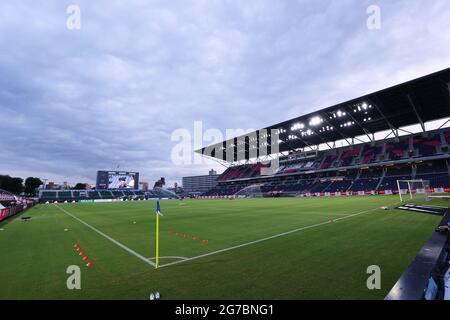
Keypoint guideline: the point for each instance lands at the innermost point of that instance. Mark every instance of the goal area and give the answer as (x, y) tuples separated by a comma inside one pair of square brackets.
[(418, 190), (253, 191)]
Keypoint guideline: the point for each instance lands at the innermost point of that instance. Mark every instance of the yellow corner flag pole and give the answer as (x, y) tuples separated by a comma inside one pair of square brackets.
[(158, 213), (157, 240)]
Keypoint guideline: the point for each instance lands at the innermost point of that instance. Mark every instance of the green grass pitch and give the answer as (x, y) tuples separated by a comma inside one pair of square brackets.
[(326, 258)]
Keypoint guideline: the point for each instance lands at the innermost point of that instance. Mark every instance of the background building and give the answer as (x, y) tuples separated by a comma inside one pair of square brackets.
[(143, 186), (200, 183)]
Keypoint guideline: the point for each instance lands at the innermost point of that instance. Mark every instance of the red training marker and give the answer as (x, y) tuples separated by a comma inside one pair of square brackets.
[(81, 253), (89, 264), (205, 241), (86, 258)]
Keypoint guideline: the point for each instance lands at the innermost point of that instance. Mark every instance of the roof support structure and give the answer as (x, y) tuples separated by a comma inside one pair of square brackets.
[(394, 132), (411, 102), (367, 132), (320, 137), (375, 105), (221, 162), (404, 130), (442, 125), (338, 131)]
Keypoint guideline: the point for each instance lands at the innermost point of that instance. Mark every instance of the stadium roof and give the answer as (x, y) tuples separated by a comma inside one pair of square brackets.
[(414, 102)]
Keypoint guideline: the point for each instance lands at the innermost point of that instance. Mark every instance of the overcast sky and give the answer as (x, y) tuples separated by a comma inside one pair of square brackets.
[(73, 101)]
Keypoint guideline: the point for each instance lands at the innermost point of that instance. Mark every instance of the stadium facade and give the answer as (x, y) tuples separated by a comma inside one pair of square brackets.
[(200, 184), (362, 146)]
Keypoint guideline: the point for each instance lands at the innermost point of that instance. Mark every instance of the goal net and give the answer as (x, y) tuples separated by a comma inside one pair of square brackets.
[(253, 191), (418, 190)]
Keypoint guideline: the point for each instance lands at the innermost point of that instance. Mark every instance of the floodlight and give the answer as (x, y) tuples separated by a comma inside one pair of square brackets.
[(297, 126), (314, 121)]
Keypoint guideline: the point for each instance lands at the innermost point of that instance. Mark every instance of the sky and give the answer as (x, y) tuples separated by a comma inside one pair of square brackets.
[(110, 87)]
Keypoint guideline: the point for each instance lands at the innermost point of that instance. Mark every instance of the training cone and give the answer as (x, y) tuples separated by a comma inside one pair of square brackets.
[(89, 264), (86, 258), (81, 253), (205, 241), (79, 249)]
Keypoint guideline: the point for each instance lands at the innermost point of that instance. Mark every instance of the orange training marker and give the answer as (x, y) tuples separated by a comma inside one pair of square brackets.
[(205, 241)]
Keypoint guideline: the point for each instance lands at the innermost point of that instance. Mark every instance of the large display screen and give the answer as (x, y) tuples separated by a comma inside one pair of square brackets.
[(121, 181), (117, 180)]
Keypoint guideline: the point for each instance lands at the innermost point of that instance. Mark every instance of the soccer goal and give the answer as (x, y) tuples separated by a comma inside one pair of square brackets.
[(253, 191), (414, 190)]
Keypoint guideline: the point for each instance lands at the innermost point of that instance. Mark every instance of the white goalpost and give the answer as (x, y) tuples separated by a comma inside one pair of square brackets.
[(414, 189), (253, 191)]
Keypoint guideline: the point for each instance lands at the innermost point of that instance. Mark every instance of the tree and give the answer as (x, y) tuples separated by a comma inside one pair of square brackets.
[(80, 186), (31, 184), (11, 184)]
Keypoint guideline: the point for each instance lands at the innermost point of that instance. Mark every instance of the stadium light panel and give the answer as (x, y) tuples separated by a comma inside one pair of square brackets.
[(315, 121), (298, 126)]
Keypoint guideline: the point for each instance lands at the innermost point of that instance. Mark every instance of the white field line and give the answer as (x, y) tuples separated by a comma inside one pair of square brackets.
[(109, 238), (268, 238), (169, 257)]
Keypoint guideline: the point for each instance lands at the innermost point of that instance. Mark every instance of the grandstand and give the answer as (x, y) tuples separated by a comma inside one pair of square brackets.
[(103, 195), (378, 146), (11, 204)]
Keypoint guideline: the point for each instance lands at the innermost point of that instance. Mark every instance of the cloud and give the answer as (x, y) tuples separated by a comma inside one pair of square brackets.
[(76, 101)]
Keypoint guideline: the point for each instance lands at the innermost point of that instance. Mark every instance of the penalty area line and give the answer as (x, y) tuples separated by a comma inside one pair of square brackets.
[(267, 238), (109, 238)]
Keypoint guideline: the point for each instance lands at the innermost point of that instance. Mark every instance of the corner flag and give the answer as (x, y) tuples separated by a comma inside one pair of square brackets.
[(158, 208), (158, 213)]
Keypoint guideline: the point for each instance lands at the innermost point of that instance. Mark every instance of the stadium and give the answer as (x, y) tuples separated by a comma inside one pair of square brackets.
[(355, 189)]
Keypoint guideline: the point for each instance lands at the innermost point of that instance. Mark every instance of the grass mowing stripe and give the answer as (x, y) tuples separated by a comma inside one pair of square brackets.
[(265, 239), (109, 238)]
